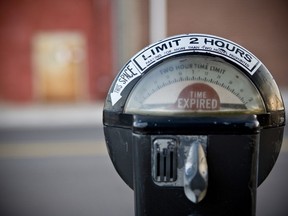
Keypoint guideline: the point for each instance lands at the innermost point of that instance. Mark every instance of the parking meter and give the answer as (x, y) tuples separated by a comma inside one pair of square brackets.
[(193, 124)]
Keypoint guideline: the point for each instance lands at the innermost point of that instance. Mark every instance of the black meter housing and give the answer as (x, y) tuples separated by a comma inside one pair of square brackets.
[(193, 124)]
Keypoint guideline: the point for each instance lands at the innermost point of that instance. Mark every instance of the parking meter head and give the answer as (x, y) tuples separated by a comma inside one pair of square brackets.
[(192, 78)]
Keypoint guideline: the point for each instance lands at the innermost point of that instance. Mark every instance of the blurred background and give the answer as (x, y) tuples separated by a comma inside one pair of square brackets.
[(57, 61)]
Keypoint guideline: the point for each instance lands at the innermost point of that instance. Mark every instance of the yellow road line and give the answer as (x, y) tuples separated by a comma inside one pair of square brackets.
[(33, 150)]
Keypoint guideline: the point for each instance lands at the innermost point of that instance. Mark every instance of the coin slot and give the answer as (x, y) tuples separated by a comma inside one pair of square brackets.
[(164, 160)]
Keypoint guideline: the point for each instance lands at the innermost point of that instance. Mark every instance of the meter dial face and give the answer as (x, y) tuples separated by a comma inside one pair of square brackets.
[(194, 84)]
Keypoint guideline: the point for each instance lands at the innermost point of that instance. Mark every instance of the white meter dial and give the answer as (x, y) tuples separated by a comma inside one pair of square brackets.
[(194, 84)]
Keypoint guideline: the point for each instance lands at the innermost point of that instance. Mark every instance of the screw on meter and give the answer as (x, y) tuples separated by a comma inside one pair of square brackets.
[(194, 84)]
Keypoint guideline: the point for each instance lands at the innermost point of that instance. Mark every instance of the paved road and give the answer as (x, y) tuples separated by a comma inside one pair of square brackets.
[(58, 172), (59, 186)]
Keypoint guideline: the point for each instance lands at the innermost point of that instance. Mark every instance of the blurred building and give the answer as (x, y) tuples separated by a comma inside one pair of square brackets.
[(55, 50), (70, 50)]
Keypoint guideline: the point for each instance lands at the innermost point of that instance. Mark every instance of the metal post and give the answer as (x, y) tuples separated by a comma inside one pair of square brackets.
[(157, 20)]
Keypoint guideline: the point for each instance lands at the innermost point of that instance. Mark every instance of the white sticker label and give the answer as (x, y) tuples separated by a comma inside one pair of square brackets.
[(198, 43), (183, 44), (129, 73)]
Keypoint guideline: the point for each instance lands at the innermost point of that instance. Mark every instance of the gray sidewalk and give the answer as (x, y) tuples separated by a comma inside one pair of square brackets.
[(47, 116)]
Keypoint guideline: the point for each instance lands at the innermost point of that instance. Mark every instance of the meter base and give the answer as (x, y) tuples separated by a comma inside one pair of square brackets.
[(232, 180)]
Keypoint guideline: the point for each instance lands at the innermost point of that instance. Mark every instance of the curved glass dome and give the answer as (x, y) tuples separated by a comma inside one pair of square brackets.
[(194, 84)]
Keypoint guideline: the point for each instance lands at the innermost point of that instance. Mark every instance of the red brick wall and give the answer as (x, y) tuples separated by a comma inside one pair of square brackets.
[(21, 19), (261, 26)]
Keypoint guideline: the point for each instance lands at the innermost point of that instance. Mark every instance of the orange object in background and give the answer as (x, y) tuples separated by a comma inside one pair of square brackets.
[(59, 64)]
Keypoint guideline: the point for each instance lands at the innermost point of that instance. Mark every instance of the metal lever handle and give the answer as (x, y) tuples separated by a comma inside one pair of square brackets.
[(196, 173)]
